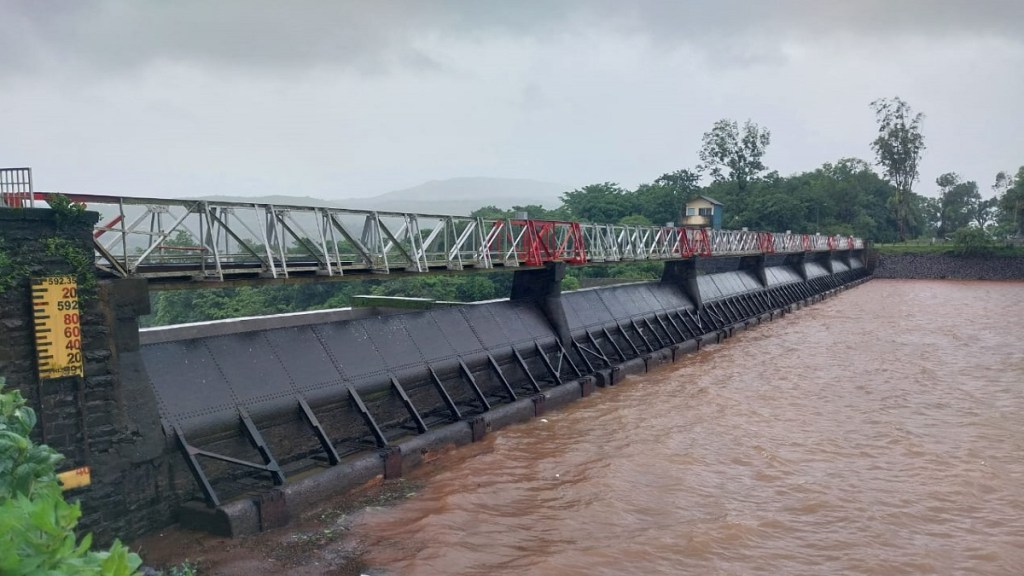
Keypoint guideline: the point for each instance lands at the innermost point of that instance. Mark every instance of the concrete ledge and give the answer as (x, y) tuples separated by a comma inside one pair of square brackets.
[(563, 395), (306, 491), (233, 519), (418, 449), (519, 411)]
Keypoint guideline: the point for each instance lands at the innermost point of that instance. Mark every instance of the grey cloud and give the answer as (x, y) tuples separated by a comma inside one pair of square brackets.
[(378, 35)]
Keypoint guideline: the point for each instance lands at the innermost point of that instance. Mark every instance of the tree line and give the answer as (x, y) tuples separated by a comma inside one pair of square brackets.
[(849, 196)]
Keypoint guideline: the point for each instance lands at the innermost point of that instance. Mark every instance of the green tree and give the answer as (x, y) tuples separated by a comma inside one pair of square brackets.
[(601, 203), (533, 211), (728, 148), (664, 200), (985, 212), (898, 149), (958, 202), (931, 215), (1011, 201), (635, 220)]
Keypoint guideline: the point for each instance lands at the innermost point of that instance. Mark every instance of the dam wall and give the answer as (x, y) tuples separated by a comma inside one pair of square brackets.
[(265, 420), (234, 426)]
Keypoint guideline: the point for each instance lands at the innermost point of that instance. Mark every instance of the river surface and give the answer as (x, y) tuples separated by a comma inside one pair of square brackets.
[(878, 432)]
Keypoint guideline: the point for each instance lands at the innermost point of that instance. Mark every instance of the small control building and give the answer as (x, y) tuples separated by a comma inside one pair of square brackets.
[(703, 212)]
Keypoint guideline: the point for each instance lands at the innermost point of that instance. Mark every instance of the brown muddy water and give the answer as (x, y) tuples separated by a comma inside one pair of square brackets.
[(878, 432)]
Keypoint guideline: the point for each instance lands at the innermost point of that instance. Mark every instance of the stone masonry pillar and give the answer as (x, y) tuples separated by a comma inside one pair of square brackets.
[(108, 419)]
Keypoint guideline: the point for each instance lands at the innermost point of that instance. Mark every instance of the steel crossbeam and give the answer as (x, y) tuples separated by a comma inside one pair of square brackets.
[(194, 239)]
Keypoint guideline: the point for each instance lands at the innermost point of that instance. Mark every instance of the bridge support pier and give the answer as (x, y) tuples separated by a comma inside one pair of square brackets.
[(544, 288), (846, 257), (755, 265), (798, 262), (825, 260), (683, 273)]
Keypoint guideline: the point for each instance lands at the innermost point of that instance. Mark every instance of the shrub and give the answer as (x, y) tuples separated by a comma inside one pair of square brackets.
[(972, 242), (36, 524)]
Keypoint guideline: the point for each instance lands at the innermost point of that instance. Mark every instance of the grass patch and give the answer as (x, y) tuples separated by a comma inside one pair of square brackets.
[(948, 249)]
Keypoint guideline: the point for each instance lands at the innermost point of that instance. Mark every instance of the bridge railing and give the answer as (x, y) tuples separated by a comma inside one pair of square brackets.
[(215, 240), (16, 188)]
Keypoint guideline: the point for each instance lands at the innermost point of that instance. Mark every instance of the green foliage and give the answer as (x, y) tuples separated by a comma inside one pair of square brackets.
[(602, 203), (635, 220), (663, 201), (845, 197), (727, 147), (972, 242), (80, 261), (68, 214), (898, 148), (1010, 191), (186, 568), (217, 304), (534, 211), (958, 203), (36, 524), (13, 270), (456, 288)]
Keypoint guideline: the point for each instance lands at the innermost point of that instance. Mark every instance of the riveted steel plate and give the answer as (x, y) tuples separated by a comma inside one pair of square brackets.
[(517, 319), (427, 335), (351, 348), (186, 379), (533, 323), (303, 357), (454, 327), (250, 367), (488, 329), (588, 310), (388, 334)]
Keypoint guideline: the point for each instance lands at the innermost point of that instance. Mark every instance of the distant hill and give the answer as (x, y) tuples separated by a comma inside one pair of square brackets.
[(457, 196), (463, 195)]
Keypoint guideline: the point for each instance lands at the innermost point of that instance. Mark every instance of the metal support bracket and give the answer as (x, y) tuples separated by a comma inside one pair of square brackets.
[(421, 427), (472, 384), (378, 435), (526, 370), (325, 441), (508, 387), (445, 397), (547, 364)]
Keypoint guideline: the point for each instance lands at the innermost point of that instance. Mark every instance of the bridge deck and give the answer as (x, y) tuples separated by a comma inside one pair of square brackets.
[(169, 240)]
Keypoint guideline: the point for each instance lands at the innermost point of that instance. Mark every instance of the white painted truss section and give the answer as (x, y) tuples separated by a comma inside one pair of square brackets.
[(214, 240)]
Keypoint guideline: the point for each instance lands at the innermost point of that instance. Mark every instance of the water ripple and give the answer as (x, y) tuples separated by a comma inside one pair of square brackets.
[(876, 433)]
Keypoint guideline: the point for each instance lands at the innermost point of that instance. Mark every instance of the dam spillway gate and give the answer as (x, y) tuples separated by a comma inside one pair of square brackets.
[(235, 424), (270, 415)]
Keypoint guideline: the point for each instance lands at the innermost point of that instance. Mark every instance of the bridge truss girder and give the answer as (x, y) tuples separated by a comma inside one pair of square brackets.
[(175, 239)]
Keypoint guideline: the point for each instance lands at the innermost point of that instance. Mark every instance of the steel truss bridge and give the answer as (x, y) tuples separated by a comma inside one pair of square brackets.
[(169, 240)]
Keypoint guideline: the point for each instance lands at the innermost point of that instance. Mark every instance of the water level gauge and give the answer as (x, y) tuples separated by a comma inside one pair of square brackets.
[(58, 326)]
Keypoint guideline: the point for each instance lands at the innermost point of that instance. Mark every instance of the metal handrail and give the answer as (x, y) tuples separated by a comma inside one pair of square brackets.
[(217, 240)]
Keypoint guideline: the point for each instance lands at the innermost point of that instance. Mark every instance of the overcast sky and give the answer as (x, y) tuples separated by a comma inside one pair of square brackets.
[(338, 99)]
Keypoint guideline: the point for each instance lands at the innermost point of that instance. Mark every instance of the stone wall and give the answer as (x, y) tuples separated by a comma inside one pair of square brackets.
[(106, 420), (942, 266)]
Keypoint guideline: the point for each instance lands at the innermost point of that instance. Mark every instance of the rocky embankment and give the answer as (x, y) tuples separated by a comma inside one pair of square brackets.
[(934, 266)]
